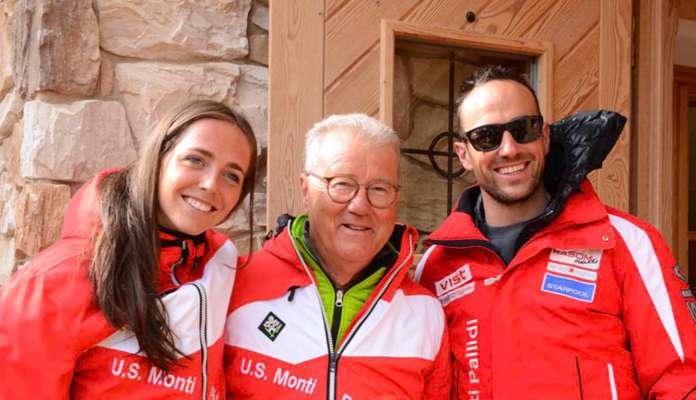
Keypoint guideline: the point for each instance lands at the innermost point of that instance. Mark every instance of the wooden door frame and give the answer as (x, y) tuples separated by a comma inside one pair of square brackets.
[(684, 88), (392, 30), (652, 192)]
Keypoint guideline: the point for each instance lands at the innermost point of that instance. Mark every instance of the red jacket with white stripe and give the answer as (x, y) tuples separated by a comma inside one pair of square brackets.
[(56, 344), (592, 305), (396, 347)]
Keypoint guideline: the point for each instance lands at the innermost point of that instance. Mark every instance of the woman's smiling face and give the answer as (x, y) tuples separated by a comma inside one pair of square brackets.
[(202, 176)]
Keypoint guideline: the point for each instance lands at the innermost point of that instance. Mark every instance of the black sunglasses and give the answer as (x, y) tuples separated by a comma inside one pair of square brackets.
[(523, 129)]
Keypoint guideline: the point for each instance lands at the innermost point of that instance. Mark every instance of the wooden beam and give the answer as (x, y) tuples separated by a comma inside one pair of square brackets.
[(652, 186), (386, 72), (615, 42), (681, 198), (296, 51)]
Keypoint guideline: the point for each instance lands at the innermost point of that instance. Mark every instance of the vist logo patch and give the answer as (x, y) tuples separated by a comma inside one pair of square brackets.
[(271, 326), (458, 278), (455, 285)]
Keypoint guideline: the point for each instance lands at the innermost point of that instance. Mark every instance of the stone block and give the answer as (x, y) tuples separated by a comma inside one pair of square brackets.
[(175, 30), (258, 48), (56, 47), (428, 122), (149, 90), (7, 259), (423, 196), (238, 223), (8, 202), (9, 185), (10, 111), (252, 100), (6, 45), (40, 211), (430, 78), (259, 15), (11, 148), (72, 142), (422, 186), (106, 76)]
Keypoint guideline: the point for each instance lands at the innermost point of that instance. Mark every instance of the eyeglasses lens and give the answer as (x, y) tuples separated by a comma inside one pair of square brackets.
[(489, 137), (343, 190)]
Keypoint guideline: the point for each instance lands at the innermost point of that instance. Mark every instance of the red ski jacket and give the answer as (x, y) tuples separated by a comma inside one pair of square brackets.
[(593, 306), (56, 344), (277, 339)]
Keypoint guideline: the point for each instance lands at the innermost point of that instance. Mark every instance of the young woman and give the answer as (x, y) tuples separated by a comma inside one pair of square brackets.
[(131, 301)]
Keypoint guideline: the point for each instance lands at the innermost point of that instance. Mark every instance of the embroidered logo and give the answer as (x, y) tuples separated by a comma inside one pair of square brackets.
[(572, 273), (271, 326), (455, 285), (588, 259), (568, 287)]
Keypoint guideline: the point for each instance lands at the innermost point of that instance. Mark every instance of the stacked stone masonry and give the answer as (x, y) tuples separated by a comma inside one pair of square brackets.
[(81, 81)]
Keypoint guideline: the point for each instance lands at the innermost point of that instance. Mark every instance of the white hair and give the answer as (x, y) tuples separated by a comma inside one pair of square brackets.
[(362, 126)]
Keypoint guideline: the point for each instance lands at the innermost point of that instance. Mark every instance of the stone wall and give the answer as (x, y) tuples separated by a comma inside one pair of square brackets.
[(82, 80)]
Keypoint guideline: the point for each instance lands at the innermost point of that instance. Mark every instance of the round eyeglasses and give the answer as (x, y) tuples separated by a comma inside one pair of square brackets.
[(343, 189)]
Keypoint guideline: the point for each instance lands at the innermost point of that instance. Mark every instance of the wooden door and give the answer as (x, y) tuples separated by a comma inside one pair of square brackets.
[(685, 165), (325, 59)]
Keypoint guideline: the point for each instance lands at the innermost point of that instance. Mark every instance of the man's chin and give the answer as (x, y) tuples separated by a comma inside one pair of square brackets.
[(510, 197)]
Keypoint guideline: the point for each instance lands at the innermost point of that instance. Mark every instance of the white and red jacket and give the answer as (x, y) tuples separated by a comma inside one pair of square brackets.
[(56, 344), (278, 346), (593, 306)]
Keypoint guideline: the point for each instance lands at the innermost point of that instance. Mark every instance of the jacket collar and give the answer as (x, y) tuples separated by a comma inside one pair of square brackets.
[(403, 238)]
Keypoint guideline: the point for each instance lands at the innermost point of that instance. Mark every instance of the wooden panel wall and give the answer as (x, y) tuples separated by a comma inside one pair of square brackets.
[(325, 59), (296, 90), (592, 56), (612, 181)]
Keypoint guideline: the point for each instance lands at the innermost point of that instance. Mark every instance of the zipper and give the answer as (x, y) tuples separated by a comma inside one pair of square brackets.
[(334, 356), (337, 314), (577, 367), (203, 337), (333, 363), (182, 260)]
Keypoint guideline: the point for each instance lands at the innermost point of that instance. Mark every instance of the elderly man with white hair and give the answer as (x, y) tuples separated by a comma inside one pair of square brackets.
[(326, 309)]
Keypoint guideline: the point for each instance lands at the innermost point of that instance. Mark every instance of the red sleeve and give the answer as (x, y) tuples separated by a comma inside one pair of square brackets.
[(439, 381), (48, 320), (659, 313)]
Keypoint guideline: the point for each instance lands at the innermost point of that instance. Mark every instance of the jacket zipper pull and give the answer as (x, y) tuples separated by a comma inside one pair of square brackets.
[(182, 260), (338, 310), (333, 361), (292, 292), (339, 298)]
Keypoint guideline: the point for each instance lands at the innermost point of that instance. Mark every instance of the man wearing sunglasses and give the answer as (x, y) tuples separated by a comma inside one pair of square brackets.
[(326, 310), (550, 294)]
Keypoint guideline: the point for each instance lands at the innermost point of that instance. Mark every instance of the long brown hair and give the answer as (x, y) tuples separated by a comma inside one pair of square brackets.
[(125, 264)]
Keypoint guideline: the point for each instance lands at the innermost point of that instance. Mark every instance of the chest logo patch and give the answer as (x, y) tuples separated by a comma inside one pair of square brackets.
[(271, 326), (569, 287), (455, 285), (588, 259), (572, 273)]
